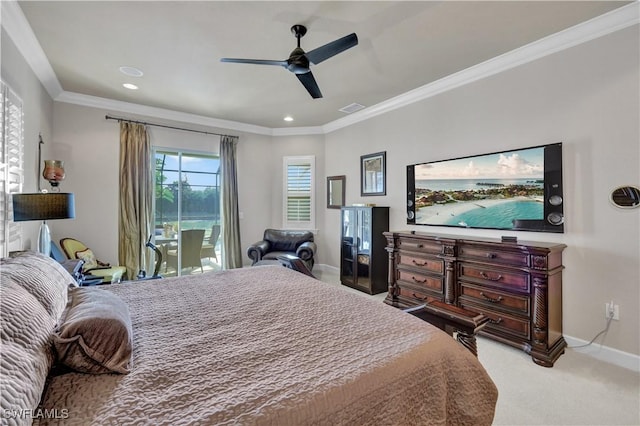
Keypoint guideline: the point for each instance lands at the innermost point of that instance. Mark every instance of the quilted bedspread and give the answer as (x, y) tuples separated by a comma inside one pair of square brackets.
[(270, 346)]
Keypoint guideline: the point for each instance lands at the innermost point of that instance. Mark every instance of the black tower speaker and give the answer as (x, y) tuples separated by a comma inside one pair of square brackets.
[(554, 199), (411, 196)]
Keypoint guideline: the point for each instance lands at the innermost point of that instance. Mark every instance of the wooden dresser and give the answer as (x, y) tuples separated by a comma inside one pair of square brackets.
[(517, 285)]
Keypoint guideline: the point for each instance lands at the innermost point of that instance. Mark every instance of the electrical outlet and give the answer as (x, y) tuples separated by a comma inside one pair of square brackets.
[(612, 310)]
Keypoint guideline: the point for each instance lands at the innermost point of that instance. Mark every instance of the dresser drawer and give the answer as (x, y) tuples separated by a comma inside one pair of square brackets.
[(420, 262), (494, 299), (417, 245), (420, 280), (500, 323), (494, 256), (503, 278), (416, 297)]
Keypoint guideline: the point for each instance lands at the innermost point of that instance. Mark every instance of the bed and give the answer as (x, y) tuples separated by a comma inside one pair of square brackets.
[(254, 346)]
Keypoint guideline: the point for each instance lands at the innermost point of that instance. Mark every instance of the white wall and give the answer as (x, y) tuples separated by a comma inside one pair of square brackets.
[(585, 97), (299, 146), (89, 145), (38, 108)]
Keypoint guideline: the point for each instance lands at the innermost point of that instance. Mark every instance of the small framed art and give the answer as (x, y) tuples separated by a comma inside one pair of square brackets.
[(373, 174)]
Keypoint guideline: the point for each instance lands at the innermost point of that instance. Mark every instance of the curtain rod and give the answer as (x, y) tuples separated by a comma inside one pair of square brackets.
[(108, 117)]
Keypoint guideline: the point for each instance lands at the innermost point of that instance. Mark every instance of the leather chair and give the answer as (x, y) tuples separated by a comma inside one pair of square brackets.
[(277, 242)]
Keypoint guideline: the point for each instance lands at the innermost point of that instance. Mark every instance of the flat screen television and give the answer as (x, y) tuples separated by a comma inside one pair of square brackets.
[(520, 189)]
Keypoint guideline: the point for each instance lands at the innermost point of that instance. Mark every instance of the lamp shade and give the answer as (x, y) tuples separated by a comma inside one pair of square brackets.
[(43, 206)]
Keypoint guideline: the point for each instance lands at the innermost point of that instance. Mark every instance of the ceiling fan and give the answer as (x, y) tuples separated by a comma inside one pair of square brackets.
[(299, 61)]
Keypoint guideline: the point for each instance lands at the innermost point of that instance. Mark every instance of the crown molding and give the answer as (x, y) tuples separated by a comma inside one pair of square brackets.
[(298, 131), (17, 26), (183, 117), (120, 107), (18, 29)]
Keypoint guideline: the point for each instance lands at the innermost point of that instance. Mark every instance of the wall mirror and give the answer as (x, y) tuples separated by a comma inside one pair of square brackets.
[(335, 191), (626, 197)]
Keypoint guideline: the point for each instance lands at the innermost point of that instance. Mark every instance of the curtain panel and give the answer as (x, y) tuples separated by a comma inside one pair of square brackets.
[(231, 249), (136, 192)]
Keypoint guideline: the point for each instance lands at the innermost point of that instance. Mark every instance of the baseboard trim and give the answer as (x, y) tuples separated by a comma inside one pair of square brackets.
[(324, 267), (605, 353)]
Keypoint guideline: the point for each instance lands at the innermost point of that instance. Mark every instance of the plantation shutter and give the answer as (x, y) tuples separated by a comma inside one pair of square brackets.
[(11, 166), (299, 205)]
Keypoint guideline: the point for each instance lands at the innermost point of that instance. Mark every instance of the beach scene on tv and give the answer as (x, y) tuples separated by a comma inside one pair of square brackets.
[(487, 191)]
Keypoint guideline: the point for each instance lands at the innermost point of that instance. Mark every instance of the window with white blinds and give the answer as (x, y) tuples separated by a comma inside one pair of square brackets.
[(299, 199), (11, 166)]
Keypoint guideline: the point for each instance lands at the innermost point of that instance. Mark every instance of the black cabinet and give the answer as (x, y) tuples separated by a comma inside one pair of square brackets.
[(364, 262)]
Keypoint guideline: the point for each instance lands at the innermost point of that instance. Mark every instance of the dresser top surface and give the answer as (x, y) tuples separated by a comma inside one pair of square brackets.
[(461, 239)]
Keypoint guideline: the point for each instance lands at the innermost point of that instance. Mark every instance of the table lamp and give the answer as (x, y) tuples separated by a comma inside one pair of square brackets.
[(43, 206)]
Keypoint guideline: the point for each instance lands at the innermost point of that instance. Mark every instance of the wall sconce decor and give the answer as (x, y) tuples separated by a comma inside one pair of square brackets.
[(43, 206), (53, 172), (53, 169), (626, 197)]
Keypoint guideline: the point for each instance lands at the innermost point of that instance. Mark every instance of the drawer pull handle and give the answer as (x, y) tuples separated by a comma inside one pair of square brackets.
[(490, 299), (487, 277), (419, 297), (419, 281), (416, 245), (492, 321), (492, 255), (419, 263)]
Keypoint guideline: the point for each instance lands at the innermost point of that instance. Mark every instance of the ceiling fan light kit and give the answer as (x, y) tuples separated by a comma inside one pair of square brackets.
[(299, 61)]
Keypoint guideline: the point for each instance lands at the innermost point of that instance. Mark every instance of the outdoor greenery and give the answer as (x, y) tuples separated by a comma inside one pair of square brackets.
[(202, 204)]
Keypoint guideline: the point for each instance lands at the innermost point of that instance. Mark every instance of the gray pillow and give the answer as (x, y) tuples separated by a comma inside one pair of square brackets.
[(25, 351), (95, 336), (43, 277)]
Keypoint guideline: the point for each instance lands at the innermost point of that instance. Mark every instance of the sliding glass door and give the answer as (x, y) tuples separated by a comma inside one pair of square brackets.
[(187, 211)]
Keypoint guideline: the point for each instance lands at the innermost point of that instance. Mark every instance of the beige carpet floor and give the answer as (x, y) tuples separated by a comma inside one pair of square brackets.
[(578, 390)]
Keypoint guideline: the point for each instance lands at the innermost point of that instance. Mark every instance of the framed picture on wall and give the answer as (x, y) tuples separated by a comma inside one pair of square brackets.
[(373, 174)]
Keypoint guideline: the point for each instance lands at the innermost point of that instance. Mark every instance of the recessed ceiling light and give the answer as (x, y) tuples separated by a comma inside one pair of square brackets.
[(288, 118), (130, 86), (131, 71)]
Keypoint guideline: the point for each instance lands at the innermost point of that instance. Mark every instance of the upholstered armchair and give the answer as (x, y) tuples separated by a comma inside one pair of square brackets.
[(276, 242), (75, 249)]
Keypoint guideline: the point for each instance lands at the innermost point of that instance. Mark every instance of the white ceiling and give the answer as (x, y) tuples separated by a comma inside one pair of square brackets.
[(403, 45)]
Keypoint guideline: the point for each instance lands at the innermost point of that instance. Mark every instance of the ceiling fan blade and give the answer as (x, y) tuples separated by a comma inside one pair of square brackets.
[(310, 84), (255, 61), (331, 49)]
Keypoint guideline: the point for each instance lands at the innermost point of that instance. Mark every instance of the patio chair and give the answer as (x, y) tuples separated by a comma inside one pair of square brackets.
[(208, 250), (191, 244)]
